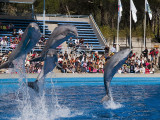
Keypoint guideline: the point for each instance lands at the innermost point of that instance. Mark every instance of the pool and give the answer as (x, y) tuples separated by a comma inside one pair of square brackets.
[(80, 98)]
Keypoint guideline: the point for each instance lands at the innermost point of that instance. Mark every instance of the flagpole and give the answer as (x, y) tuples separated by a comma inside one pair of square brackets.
[(145, 26), (44, 17), (130, 27), (118, 33), (118, 36)]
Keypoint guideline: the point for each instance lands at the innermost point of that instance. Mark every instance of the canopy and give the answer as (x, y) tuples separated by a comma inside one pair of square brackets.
[(19, 1)]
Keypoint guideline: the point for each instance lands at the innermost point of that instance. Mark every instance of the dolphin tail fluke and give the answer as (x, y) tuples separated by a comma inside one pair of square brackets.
[(105, 98), (34, 85), (7, 65)]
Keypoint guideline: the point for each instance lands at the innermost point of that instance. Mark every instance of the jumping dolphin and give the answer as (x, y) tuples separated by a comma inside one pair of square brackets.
[(111, 67), (49, 64), (29, 39), (58, 36), (49, 55)]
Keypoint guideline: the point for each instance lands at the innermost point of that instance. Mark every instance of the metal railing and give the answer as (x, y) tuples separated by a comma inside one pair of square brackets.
[(76, 50), (96, 29), (64, 16)]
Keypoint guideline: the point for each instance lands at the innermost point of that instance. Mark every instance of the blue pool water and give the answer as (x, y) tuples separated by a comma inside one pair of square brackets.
[(80, 98)]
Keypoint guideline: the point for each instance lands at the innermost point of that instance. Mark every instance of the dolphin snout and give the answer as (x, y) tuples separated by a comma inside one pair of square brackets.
[(34, 25)]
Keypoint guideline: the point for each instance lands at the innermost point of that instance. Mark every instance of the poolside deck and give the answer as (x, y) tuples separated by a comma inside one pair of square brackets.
[(71, 75)]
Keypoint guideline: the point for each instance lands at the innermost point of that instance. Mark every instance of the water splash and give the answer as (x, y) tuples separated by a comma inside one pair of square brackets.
[(33, 106), (111, 104)]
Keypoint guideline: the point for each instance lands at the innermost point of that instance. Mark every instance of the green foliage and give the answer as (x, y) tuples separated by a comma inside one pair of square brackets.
[(138, 32), (105, 13), (108, 32)]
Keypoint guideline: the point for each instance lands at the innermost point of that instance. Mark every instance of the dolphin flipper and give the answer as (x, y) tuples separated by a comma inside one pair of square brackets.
[(58, 65), (34, 85)]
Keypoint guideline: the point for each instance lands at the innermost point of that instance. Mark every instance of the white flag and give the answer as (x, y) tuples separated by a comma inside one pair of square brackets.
[(119, 10), (134, 11), (147, 9)]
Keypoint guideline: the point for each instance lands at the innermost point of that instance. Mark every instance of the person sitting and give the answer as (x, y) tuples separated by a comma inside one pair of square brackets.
[(20, 32), (87, 48), (137, 69), (11, 27), (13, 45), (73, 68), (96, 67), (132, 68), (142, 69), (77, 43), (125, 69), (91, 68), (69, 69), (152, 70), (70, 42), (101, 67), (120, 71), (147, 71), (83, 68), (113, 49), (78, 69), (66, 55), (81, 41), (4, 43), (64, 67), (14, 33)]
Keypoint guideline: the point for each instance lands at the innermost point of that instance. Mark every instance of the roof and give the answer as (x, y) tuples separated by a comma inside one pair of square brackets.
[(19, 1)]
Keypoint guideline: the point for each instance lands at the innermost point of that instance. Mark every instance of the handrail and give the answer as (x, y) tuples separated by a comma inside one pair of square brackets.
[(97, 31), (35, 17), (59, 48), (64, 16)]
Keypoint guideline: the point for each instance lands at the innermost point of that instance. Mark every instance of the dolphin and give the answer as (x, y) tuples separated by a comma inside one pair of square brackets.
[(58, 36), (49, 64), (49, 55), (29, 39), (111, 67)]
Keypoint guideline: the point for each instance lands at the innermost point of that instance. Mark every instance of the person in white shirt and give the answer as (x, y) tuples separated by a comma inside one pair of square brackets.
[(137, 70), (77, 42), (60, 59), (20, 31), (91, 48), (113, 49), (152, 70), (3, 43), (137, 61), (142, 69), (120, 71)]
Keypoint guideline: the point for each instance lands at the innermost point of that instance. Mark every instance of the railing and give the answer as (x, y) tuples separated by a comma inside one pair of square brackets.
[(35, 18), (64, 16), (76, 50), (17, 16), (96, 29)]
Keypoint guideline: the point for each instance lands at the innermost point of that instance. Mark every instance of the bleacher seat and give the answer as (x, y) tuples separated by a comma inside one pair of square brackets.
[(85, 30)]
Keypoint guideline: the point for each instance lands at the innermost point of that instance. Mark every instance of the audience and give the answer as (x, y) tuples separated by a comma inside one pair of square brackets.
[(89, 63), (86, 62)]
